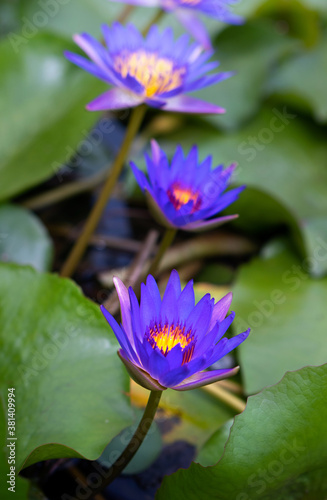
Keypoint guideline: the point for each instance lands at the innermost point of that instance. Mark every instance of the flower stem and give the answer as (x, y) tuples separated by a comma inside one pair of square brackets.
[(124, 15), (135, 442), (156, 18), (79, 248), (166, 241)]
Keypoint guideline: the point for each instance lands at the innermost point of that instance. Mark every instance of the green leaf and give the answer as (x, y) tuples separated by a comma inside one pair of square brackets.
[(302, 81), (60, 17), (213, 449), (284, 307), (42, 109), (249, 50), (59, 354), (277, 448), (24, 239)]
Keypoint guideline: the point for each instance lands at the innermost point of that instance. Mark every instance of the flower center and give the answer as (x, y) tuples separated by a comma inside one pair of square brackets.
[(166, 337), (180, 196), (156, 74)]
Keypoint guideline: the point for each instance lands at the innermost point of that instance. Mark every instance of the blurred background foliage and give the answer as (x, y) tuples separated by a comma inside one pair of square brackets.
[(275, 128)]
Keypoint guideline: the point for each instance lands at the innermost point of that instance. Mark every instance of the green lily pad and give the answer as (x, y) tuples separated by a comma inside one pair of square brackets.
[(60, 17), (59, 354), (302, 81), (249, 50), (283, 306), (24, 239), (277, 448), (214, 448), (42, 129)]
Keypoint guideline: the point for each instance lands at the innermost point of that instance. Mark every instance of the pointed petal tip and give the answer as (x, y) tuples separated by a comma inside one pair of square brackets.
[(156, 151), (103, 309)]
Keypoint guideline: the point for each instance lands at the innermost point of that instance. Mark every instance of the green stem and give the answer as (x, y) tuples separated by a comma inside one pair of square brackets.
[(166, 241), (79, 248), (134, 443), (157, 17), (124, 15)]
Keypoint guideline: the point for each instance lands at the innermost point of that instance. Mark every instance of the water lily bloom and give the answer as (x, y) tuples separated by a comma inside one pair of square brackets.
[(187, 12), (169, 342), (186, 194), (156, 70)]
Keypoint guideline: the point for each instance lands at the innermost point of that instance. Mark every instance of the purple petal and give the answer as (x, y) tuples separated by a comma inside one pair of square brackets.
[(224, 325), (199, 319), (176, 376), (207, 80), (186, 301), (205, 378), (140, 376), (153, 289), (169, 311), (135, 316), (220, 309), (147, 308), (92, 48), (140, 177), (158, 363), (156, 151), (88, 66), (156, 210), (175, 282), (120, 334), (125, 307), (227, 345), (199, 226), (187, 104), (114, 99), (192, 24)]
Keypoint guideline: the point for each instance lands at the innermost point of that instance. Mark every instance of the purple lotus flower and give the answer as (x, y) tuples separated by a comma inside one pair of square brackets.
[(187, 12), (168, 342), (186, 194), (156, 70)]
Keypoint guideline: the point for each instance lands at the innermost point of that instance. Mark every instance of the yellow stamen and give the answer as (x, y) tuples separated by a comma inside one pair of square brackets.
[(156, 74), (180, 196), (166, 337)]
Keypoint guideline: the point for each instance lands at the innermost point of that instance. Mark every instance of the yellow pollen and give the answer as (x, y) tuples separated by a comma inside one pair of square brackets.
[(166, 337), (156, 74), (179, 196)]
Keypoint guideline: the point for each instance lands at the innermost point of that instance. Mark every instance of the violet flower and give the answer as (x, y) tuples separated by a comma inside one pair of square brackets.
[(186, 193), (156, 70), (169, 342)]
